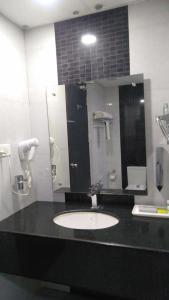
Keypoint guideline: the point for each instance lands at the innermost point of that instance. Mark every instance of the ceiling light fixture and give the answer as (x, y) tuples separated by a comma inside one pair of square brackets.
[(46, 2), (88, 39)]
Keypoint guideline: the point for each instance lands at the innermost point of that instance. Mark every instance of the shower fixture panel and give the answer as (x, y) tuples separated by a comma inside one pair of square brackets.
[(105, 118)]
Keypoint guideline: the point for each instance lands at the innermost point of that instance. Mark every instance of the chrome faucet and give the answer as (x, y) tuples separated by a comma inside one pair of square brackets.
[(94, 190)]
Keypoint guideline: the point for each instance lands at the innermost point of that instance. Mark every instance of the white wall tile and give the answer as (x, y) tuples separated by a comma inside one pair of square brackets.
[(14, 112), (41, 72), (41, 37), (149, 48), (12, 62), (41, 56), (39, 126), (42, 184), (149, 13)]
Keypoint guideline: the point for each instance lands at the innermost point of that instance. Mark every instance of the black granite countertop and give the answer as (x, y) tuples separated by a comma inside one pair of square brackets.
[(131, 232)]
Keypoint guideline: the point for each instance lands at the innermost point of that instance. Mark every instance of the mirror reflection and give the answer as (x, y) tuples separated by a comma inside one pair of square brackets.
[(97, 135)]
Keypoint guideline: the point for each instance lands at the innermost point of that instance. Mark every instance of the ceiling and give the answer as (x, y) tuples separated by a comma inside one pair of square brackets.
[(33, 13)]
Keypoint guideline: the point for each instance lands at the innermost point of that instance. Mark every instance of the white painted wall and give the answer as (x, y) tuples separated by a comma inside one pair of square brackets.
[(42, 72), (14, 111), (149, 50)]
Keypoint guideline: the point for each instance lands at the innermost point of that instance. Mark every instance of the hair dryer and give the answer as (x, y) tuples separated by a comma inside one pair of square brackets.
[(26, 149)]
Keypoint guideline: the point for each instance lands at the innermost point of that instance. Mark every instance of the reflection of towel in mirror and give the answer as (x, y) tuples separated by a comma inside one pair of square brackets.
[(162, 173), (52, 142), (159, 168), (107, 130)]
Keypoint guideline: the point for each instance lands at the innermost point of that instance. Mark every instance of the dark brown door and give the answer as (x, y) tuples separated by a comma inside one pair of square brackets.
[(77, 124), (132, 128)]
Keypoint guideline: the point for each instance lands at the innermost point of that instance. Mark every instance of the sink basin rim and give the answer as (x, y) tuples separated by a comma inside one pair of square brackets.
[(92, 210)]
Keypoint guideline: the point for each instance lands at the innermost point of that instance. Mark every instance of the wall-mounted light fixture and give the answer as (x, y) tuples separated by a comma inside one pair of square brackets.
[(88, 39)]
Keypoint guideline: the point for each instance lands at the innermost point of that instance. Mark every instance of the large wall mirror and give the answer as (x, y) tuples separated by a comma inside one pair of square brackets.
[(97, 135)]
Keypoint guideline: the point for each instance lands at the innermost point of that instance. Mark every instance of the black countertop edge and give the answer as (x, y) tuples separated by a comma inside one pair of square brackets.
[(131, 232), (120, 246), (130, 260), (105, 192)]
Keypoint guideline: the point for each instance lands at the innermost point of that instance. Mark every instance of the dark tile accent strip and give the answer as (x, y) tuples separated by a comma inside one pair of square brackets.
[(108, 58)]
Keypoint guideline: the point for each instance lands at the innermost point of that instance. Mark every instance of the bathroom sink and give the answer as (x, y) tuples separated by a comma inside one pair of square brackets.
[(85, 220)]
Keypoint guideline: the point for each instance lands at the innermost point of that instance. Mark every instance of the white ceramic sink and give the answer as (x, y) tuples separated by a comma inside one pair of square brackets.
[(85, 220)]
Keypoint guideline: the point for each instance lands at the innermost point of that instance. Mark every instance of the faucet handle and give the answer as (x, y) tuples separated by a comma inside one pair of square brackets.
[(96, 188), (99, 186), (94, 201)]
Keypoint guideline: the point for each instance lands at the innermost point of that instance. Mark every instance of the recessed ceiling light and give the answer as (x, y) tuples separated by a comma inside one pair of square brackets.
[(46, 2), (75, 12), (142, 101), (98, 6), (88, 39)]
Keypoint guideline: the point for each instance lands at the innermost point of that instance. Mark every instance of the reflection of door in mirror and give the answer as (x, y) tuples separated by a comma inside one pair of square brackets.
[(77, 125), (132, 129)]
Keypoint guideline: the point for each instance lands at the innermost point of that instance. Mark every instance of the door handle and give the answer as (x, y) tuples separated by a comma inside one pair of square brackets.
[(74, 165), (70, 121)]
